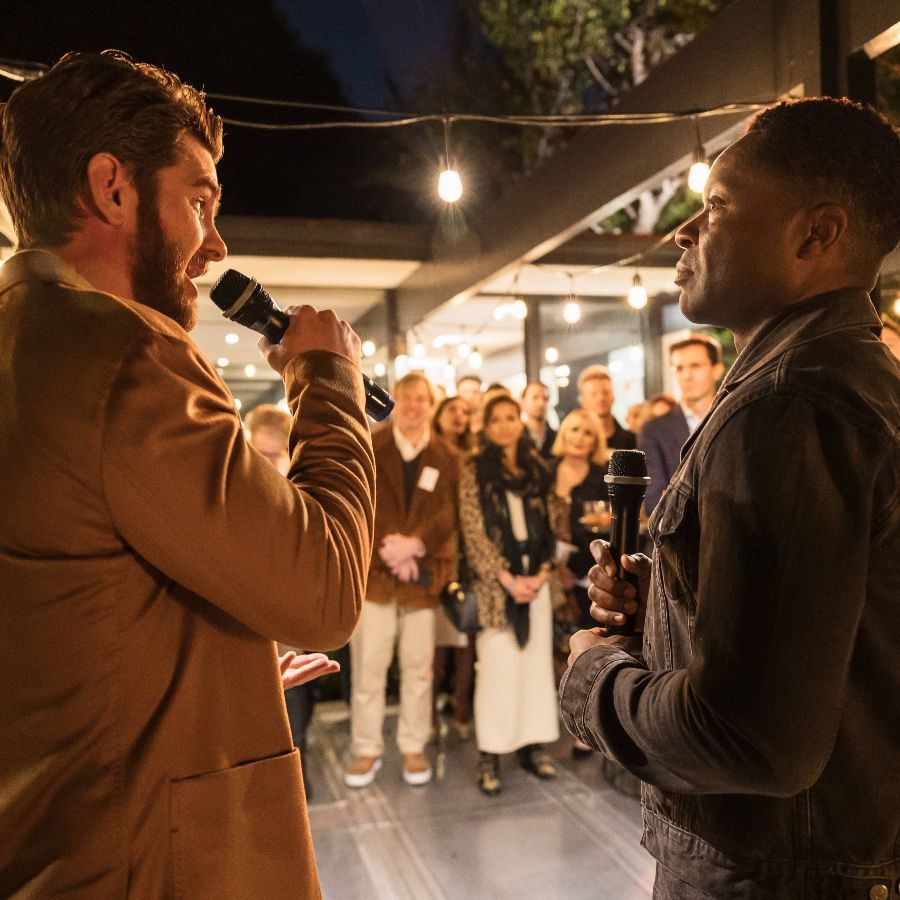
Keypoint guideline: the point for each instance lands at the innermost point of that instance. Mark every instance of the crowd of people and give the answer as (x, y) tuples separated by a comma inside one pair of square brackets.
[(478, 488)]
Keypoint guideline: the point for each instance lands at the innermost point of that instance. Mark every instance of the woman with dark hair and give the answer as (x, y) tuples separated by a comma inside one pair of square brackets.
[(509, 550), (451, 422)]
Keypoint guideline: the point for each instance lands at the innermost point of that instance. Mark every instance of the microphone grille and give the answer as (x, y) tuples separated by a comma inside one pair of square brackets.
[(628, 463), (228, 287)]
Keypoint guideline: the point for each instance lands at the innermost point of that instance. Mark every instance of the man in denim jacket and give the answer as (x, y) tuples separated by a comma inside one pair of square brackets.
[(762, 706)]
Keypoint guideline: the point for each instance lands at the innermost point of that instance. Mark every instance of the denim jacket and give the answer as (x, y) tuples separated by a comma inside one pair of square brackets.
[(764, 716)]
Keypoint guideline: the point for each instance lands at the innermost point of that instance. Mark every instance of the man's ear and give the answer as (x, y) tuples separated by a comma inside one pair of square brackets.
[(110, 192), (824, 225)]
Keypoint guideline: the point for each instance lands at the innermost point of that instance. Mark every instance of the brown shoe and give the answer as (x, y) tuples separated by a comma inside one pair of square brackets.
[(463, 729), (534, 759), (416, 769), (489, 774), (361, 771)]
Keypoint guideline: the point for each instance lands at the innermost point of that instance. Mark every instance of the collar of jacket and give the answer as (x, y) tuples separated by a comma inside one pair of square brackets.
[(44, 265)]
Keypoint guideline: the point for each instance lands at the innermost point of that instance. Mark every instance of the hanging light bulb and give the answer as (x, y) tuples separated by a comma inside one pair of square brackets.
[(450, 187), (572, 312), (475, 359), (379, 370), (223, 362), (551, 354), (463, 350), (237, 403), (897, 307), (419, 350), (250, 370), (637, 296), (368, 348), (699, 171), (520, 309)]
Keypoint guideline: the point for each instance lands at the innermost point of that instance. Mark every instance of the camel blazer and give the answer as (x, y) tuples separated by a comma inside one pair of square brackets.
[(432, 516), (148, 559)]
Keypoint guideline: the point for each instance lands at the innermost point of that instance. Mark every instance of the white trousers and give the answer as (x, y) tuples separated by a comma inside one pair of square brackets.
[(515, 688), (381, 625)]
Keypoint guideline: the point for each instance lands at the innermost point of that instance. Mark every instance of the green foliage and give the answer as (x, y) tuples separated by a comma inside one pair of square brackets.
[(680, 208)]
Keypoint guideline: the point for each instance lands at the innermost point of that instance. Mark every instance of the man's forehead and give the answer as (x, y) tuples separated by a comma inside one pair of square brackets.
[(197, 163)]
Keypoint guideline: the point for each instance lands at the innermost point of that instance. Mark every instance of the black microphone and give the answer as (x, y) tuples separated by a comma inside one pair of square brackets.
[(626, 482), (245, 301)]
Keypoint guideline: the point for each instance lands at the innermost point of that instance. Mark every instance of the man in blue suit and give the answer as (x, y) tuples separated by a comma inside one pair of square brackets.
[(697, 365)]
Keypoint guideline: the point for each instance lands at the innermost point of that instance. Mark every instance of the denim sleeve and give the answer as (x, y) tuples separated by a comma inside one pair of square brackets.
[(786, 503)]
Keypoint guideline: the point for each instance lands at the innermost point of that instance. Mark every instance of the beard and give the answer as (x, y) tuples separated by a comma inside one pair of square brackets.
[(158, 266)]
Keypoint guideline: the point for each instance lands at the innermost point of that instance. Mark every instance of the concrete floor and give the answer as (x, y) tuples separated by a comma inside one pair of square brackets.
[(574, 837)]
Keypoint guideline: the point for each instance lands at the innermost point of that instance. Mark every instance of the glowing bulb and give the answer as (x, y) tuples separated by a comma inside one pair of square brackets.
[(223, 361), (231, 338), (520, 310), (562, 371), (897, 307), (419, 351), (551, 354), (637, 296), (500, 311), (697, 176), (562, 382), (463, 350), (368, 348), (475, 360), (380, 370), (249, 370), (237, 403), (572, 312), (282, 404), (450, 187), (450, 372)]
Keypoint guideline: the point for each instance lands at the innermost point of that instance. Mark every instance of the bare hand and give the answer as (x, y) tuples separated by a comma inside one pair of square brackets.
[(310, 329), (396, 548), (524, 589), (583, 640), (304, 667), (613, 599), (407, 570)]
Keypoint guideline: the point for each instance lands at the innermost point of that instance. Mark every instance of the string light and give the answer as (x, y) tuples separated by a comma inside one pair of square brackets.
[(419, 350), (637, 296), (475, 359), (250, 370), (551, 354), (223, 362), (380, 370), (237, 403), (464, 350), (520, 309), (450, 186), (699, 171), (368, 348), (231, 338), (572, 312)]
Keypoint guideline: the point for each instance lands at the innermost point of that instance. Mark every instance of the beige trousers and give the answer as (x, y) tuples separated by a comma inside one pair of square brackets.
[(381, 625)]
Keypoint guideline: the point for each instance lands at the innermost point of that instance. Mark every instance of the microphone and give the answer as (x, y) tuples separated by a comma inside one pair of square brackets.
[(626, 482), (245, 301)]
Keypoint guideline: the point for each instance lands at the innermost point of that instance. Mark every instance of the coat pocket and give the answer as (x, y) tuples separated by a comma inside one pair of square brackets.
[(242, 832)]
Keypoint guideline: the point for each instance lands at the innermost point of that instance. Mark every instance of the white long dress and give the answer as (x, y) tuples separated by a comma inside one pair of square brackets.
[(515, 692)]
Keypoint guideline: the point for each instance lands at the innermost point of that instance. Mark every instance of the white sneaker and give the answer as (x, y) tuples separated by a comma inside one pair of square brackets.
[(362, 771), (416, 769)]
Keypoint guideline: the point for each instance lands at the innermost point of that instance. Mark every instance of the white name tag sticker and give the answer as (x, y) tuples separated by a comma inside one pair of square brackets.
[(428, 478)]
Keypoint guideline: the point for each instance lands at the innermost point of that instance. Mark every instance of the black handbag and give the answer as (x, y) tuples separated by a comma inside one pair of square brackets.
[(459, 600)]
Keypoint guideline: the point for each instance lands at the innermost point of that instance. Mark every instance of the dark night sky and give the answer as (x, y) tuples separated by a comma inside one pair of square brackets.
[(321, 51)]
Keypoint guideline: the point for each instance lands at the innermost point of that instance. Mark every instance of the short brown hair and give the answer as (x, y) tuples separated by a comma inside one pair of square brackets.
[(412, 378), (711, 345), (268, 416), (593, 373), (91, 103)]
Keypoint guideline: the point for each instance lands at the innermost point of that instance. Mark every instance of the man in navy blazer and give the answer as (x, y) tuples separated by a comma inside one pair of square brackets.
[(697, 364)]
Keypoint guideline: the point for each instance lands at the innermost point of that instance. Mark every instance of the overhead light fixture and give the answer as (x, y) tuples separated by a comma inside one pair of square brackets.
[(551, 354), (450, 186), (562, 371), (380, 370), (501, 311), (249, 370), (463, 350), (223, 362), (699, 171), (637, 296), (419, 350), (520, 309), (368, 348), (572, 312), (237, 403), (475, 359), (231, 338)]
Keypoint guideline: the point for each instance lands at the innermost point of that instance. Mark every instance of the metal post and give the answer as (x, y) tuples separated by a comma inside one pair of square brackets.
[(532, 339)]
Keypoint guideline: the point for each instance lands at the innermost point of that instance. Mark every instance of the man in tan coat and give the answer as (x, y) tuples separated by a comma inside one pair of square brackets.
[(148, 556), (416, 540)]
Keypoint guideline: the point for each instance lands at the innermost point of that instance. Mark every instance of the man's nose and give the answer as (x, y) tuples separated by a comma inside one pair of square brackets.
[(686, 236), (213, 245)]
